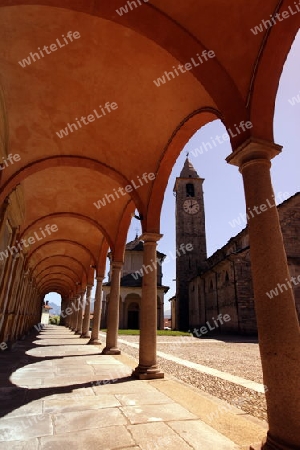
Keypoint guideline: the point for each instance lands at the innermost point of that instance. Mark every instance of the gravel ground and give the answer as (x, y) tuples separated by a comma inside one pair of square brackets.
[(237, 358)]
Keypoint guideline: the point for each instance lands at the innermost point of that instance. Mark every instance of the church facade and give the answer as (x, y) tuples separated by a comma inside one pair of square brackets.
[(131, 287), (221, 285)]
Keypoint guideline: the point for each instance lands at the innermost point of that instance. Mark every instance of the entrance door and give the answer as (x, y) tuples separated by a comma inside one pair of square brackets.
[(133, 320)]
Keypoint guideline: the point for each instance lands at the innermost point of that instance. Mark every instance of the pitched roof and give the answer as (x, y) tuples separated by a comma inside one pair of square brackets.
[(188, 170)]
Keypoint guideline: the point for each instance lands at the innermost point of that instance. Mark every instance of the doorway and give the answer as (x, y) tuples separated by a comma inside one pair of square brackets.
[(133, 318)]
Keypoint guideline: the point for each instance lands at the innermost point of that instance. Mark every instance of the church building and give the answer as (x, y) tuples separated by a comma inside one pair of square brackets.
[(131, 287), (207, 288)]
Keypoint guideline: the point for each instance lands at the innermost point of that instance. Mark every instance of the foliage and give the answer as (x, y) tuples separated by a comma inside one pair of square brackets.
[(54, 320)]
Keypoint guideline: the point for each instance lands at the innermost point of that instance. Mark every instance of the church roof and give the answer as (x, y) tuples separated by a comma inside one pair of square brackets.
[(135, 245), (188, 170), (138, 246), (128, 281)]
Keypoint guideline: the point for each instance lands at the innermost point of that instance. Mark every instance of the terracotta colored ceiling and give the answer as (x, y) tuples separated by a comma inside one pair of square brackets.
[(116, 59)]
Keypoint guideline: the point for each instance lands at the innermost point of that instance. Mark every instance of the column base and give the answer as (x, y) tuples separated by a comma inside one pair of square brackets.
[(85, 336), (111, 351), (270, 443), (94, 342), (78, 333), (147, 373), (256, 447)]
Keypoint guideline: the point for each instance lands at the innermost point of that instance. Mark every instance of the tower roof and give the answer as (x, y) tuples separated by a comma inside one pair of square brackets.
[(188, 170)]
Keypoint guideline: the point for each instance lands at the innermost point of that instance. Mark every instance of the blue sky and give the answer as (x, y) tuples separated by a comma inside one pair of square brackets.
[(223, 187)]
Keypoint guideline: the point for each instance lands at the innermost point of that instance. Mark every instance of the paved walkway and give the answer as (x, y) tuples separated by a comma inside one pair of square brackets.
[(56, 393)]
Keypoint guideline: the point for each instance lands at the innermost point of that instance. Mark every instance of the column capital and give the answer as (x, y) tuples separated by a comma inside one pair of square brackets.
[(253, 150), (89, 289), (150, 237), (100, 279)]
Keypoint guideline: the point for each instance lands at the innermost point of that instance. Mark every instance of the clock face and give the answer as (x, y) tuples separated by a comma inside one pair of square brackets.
[(191, 206)]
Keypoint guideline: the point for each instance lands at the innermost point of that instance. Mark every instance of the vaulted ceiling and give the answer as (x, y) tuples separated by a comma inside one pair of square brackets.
[(116, 59)]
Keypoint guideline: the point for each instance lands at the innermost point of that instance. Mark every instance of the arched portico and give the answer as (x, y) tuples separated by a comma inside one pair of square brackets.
[(90, 181)]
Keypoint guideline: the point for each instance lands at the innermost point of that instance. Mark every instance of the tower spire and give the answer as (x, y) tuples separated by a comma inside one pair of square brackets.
[(188, 170)]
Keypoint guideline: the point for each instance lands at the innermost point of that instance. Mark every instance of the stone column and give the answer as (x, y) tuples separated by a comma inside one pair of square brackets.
[(67, 317), (62, 320), (6, 283), (37, 308), (19, 299), (77, 310), (21, 306), (148, 368), (97, 312), (86, 320), (103, 311), (3, 216), (111, 347), (69, 313), (80, 313), (73, 315), (25, 296), (7, 267), (278, 327), (28, 309), (4, 321), (12, 305)]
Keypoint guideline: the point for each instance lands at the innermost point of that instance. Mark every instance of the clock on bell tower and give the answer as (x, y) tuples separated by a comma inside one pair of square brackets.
[(190, 229)]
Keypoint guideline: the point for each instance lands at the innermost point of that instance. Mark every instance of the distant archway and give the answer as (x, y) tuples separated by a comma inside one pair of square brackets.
[(133, 316)]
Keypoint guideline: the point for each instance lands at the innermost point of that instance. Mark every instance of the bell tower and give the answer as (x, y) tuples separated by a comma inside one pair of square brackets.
[(190, 229)]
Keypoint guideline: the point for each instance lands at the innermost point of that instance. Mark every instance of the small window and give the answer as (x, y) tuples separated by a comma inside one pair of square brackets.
[(211, 287), (226, 277), (190, 190)]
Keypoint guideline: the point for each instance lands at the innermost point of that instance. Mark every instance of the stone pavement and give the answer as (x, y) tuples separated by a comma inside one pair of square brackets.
[(56, 393)]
